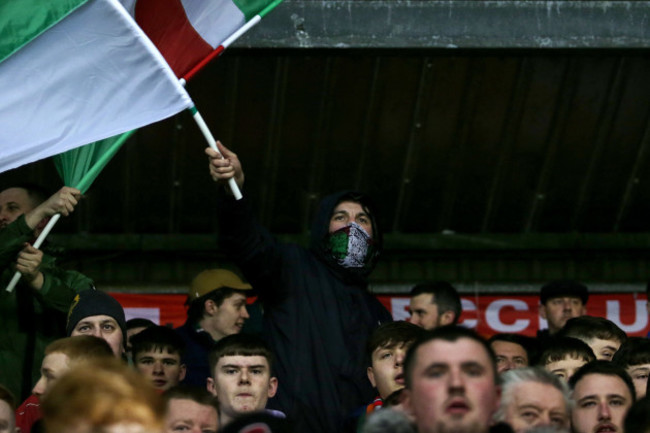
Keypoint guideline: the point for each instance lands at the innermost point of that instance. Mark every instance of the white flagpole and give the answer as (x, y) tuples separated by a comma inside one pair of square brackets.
[(213, 144), (41, 238)]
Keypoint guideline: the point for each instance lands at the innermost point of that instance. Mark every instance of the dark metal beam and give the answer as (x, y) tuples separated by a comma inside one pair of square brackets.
[(404, 243), (453, 24)]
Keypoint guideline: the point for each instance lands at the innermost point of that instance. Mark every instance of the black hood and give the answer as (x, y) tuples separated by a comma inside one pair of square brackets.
[(321, 223)]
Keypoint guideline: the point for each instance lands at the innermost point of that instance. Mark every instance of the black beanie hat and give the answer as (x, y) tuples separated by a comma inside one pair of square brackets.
[(93, 302)]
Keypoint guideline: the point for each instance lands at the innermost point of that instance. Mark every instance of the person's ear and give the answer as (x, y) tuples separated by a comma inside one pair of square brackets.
[(371, 377), (273, 387), (542, 311), (210, 386), (210, 307), (447, 318), (182, 373)]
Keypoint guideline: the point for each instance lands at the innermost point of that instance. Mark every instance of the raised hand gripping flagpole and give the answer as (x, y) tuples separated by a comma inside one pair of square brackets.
[(213, 144)]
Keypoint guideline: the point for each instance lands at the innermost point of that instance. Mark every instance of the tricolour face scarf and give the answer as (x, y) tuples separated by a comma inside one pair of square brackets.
[(351, 246)]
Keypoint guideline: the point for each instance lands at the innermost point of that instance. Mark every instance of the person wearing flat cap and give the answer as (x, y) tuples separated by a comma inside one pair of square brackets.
[(97, 313), (559, 302), (217, 308)]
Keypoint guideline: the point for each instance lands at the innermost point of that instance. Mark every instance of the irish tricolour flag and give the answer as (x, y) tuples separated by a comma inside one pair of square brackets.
[(74, 72)]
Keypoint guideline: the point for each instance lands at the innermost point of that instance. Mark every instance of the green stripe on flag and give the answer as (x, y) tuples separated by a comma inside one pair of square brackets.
[(80, 167), (250, 8), (23, 20)]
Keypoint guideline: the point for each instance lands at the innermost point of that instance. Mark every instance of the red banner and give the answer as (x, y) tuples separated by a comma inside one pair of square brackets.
[(488, 314)]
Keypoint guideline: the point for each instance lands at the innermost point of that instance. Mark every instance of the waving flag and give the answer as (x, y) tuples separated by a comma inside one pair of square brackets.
[(73, 72), (189, 33)]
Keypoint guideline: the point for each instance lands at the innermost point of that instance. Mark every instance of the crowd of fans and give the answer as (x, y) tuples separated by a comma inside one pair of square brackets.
[(315, 353)]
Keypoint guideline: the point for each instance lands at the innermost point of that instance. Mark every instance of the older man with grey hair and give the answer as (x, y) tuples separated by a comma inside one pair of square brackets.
[(532, 397)]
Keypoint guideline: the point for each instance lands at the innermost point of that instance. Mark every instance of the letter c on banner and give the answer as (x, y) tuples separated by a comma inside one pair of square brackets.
[(493, 312), (468, 305)]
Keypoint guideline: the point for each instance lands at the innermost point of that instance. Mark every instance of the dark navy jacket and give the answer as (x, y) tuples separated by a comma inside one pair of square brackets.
[(317, 316)]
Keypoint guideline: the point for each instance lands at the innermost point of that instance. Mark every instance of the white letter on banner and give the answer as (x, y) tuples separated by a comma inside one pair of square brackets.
[(152, 314), (398, 306), (494, 310), (468, 305), (641, 319)]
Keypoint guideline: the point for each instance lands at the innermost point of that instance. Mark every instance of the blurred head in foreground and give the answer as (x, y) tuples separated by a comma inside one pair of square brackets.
[(104, 397)]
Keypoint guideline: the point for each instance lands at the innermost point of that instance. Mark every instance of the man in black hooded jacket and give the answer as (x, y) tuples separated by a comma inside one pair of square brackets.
[(318, 313)]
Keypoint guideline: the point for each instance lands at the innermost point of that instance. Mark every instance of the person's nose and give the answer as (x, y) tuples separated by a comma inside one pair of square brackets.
[(456, 380), (244, 377), (157, 368), (39, 388), (399, 357), (95, 332), (544, 419), (245, 314), (604, 411)]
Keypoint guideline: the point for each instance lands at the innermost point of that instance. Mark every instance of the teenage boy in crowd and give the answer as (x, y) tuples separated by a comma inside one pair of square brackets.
[(217, 308), (602, 335), (564, 356), (157, 354), (242, 377), (386, 349), (634, 357)]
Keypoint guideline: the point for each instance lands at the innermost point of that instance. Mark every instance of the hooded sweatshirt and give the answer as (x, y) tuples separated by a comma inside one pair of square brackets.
[(317, 314)]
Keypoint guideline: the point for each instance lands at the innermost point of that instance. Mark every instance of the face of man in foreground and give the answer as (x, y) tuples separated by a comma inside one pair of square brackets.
[(601, 402), (453, 387)]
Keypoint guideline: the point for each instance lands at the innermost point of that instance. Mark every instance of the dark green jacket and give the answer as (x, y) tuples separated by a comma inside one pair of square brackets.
[(30, 319)]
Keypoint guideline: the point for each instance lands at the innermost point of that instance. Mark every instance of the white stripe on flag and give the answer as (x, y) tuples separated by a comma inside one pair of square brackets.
[(214, 20), (92, 76)]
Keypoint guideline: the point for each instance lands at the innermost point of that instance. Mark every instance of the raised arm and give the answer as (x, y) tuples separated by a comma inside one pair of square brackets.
[(63, 201)]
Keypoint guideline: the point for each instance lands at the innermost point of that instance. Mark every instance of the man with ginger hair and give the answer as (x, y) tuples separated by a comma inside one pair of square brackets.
[(60, 356), (106, 396)]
